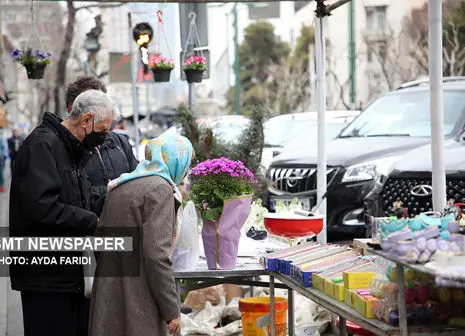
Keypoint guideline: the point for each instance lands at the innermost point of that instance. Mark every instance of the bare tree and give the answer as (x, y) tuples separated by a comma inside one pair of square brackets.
[(67, 49), (415, 27), (392, 58), (453, 50), (286, 89), (342, 86), (34, 97)]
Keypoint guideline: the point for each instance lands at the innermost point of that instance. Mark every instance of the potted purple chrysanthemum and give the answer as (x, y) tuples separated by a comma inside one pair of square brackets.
[(35, 61), (223, 190)]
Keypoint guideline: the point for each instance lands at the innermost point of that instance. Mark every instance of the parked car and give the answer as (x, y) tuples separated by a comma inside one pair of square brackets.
[(229, 128), (409, 180), (288, 130), (157, 122), (390, 137)]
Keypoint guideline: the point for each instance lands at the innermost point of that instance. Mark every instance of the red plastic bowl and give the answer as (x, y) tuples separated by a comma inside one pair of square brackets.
[(355, 329), (292, 226)]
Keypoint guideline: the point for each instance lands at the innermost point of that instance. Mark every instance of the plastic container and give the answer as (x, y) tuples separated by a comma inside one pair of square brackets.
[(259, 307), (380, 286), (292, 225)]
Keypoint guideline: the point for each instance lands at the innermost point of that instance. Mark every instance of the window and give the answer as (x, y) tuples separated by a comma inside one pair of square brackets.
[(376, 18), (11, 17), (381, 18), (370, 17), (406, 113), (264, 10), (298, 5)]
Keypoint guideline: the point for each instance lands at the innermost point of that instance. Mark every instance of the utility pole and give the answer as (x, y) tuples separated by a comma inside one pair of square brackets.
[(237, 86), (352, 54), (311, 73), (2, 75)]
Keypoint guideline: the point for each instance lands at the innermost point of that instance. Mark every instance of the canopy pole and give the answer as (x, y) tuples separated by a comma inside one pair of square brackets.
[(436, 104), (135, 95), (321, 108)]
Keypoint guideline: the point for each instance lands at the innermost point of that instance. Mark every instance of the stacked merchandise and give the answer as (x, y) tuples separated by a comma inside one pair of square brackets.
[(426, 303), (432, 239), (301, 261), (335, 270)]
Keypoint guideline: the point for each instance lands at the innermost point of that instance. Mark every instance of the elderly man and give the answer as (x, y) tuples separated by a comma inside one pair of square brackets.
[(111, 158), (49, 197)]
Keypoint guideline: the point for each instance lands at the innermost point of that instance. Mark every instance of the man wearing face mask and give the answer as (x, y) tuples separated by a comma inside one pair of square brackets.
[(49, 198), (108, 159)]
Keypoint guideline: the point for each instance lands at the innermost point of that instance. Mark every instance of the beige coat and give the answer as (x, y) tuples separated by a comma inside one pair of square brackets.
[(137, 306)]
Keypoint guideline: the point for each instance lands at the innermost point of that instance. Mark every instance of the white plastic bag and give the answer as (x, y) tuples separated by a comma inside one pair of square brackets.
[(186, 254), (89, 272)]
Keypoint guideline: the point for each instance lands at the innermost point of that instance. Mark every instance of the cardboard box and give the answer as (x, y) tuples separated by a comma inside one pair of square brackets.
[(356, 280), (272, 259), (328, 287), (364, 305), (339, 291), (350, 295), (317, 281), (305, 276)]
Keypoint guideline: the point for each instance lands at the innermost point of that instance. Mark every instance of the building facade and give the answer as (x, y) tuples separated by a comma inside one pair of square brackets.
[(382, 58)]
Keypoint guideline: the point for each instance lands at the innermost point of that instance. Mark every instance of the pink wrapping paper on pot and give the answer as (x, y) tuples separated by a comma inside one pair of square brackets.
[(221, 237)]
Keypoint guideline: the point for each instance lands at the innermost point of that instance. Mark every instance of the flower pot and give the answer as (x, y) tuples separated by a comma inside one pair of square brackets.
[(194, 76), (35, 71), (161, 75), (221, 237)]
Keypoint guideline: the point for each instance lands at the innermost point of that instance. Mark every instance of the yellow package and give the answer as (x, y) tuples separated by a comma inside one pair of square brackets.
[(317, 281), (339, 292), (364, 305), (328, 287), (350, 297), (356, 280)]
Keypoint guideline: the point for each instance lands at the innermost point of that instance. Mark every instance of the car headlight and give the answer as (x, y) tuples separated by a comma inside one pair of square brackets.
[(369, 170)]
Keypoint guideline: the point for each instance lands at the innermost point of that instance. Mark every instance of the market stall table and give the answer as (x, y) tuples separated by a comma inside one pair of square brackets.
[(245, 274), (347, 313)]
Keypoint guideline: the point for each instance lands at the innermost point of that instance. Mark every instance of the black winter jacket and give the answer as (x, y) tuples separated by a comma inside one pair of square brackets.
[(108, 162), (49, 197)]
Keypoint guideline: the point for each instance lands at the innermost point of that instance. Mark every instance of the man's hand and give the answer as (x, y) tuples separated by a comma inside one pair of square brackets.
[(174, 326)]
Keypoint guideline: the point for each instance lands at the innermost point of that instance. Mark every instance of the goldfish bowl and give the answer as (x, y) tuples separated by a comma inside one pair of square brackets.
[(293, 226)]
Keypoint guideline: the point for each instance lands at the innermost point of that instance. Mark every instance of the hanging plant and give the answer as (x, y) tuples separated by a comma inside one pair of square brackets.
[(35, 61), (161, 68), (194, 67)]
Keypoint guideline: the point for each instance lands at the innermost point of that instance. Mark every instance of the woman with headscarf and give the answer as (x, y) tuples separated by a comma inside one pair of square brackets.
[(146, 200)]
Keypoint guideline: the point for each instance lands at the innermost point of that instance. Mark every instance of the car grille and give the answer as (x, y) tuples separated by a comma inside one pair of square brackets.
[(296, 180), (400, 189)]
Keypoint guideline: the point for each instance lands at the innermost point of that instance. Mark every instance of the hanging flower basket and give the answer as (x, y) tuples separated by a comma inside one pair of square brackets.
[(194, 67), (161, 69), (161, 75), (36, 71), (35, 61), (194, 76)]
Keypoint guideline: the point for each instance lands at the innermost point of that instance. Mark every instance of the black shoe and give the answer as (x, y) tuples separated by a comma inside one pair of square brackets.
[(256, 234)]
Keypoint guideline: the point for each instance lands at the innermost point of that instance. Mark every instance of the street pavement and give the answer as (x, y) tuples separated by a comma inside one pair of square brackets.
[(10, 302)]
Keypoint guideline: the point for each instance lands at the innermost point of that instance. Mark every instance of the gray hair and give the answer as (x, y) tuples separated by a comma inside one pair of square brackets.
[(95, 102)]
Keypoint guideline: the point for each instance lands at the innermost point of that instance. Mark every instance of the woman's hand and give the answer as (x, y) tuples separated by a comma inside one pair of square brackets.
[(174, 326)]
